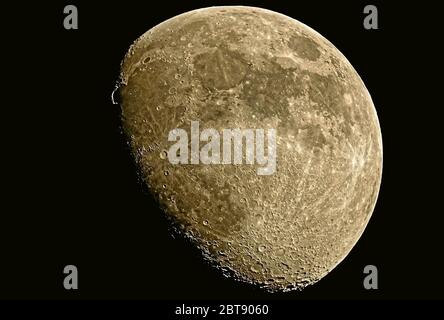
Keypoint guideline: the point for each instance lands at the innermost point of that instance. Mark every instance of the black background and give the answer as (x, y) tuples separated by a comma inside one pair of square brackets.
[(72, 194)]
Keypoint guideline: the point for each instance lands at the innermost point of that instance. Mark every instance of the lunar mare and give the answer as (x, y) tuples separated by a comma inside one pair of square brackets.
[(245, 67)]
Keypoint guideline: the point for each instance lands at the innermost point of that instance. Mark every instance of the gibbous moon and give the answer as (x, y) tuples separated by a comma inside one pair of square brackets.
[(249, 68)]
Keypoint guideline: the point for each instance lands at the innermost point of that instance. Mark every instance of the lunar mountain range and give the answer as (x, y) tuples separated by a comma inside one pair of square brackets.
[(245, 67)]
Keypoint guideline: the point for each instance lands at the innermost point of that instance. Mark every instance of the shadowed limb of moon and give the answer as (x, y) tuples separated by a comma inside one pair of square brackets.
[(244, 67)]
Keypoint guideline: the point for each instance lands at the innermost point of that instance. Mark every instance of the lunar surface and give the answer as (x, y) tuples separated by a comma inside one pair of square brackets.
[(245, 67)]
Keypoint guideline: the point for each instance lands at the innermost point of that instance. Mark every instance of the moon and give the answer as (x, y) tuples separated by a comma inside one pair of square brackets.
[(246, 67)]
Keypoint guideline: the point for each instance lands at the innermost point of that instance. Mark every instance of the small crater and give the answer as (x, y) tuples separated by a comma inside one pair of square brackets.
[(146, 60)]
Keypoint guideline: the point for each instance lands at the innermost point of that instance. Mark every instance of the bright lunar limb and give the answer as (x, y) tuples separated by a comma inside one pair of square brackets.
[(245, 67)]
